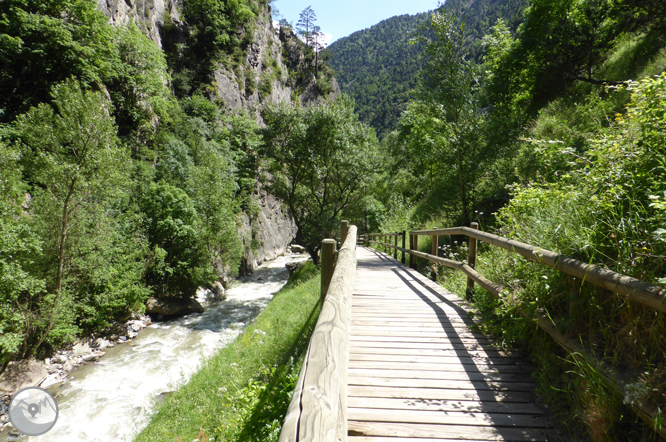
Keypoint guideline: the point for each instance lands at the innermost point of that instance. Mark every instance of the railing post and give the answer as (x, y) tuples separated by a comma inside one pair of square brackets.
[(344, 228), (327, 265), (404, 235), (395, 243), (411, 247), (471, 261), (433, 250)]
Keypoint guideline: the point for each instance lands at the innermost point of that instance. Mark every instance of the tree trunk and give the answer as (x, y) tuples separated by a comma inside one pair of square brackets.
[(61, 265)]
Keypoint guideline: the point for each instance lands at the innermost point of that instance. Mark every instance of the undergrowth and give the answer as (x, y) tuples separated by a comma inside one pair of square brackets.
[(243, 392)]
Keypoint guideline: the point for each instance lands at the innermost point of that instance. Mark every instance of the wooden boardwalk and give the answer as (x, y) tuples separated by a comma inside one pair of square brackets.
[(417, 372)]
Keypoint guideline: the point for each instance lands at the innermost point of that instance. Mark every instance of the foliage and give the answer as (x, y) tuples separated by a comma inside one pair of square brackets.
[(318, 161), (378, 66)]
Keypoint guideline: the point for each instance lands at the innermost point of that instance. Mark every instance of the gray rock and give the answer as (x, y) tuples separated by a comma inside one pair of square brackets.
[(67, 366), (218, 291), (82, 348), (295, 248), (101, 343), (292, 267), (135, 326), (22, 374), (93, 357), (60, 358), (173, 307), (51, 380)]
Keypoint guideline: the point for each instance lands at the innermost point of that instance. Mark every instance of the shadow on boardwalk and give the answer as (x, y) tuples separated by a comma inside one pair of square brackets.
[(418, 371)]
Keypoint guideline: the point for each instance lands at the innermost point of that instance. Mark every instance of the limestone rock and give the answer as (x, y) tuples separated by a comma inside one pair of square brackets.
[(173, 307), (22, 374), (218, 291)]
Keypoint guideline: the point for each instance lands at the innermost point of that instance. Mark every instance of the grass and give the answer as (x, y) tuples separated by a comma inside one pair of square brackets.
[(243, 392)]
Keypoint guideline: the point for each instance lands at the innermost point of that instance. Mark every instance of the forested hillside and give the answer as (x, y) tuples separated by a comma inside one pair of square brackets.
[(378, 67), (129, 166)]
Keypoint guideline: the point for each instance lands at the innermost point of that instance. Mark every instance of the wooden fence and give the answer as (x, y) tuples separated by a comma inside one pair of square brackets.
[(634, 289), (318, 408)]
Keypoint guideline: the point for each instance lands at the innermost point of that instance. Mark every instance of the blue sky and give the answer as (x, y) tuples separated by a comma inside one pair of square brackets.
[(339, 18)]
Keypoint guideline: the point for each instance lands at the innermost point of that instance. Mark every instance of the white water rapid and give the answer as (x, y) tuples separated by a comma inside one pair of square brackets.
[(111, 400)]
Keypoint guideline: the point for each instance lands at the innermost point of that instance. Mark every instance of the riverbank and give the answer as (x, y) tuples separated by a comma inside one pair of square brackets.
[(242, 393)]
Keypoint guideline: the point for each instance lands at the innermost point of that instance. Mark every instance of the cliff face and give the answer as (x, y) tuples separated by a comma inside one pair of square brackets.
[(148, 15), (263, 78)]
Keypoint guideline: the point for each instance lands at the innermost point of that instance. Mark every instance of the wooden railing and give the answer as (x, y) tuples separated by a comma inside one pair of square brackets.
[(634, 289), (318, 408)]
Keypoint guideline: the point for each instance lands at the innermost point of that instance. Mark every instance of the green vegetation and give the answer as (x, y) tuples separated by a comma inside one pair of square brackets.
[(378, 66), (546, 139), (243, 392), (319, 161)]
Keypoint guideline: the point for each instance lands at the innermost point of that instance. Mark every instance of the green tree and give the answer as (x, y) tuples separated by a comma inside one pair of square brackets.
[(20, 248), (42, 43), (442, 124), (318, 161), (77, 166), (306, 25)]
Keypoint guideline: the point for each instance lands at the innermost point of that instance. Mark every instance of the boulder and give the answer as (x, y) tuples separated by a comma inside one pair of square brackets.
[(22, 374), (173, 306), (292, 267), (295, 248), (82, 348), (218, 290), (101, 343)]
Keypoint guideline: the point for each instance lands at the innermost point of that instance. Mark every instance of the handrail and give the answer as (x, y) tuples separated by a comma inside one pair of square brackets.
[(636, 290), (645, 293), (318, 408)]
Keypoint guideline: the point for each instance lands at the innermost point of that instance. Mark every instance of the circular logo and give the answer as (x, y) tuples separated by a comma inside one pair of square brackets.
[(33, 411)]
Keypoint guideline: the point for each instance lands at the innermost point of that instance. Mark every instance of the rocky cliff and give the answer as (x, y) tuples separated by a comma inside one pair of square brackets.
[(274, 69)]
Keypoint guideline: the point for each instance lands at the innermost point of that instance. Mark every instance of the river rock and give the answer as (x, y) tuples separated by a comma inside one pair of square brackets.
[(93, 357), (292, 267), (67, 366), (218, 291), (22, 374), (101, 343), (60, 358), (82, 348), (295, 248), (51, 380), (173, 307)]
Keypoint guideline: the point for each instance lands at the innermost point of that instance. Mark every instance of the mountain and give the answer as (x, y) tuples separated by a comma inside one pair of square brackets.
[(379, 66)]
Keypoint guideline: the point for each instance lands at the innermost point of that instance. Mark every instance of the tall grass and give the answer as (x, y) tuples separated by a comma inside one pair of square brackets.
[(243, 392)]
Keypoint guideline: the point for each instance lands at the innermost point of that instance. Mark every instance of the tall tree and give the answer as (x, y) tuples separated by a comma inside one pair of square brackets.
[(318, 160), (441, 125), (306, 25), (77, 165)]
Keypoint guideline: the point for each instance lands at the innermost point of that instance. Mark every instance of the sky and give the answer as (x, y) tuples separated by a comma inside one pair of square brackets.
[(340, 18)]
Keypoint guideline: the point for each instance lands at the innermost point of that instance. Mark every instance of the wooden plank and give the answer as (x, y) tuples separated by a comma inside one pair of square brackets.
[(442, 383), (447, 418), (444, 405), (422, 339), (476, 368), (387, 332), (439, 375), (403, 439), (442, 345), (319, 412), (446, 432), (429, 352), (439, 394), (465, 360)]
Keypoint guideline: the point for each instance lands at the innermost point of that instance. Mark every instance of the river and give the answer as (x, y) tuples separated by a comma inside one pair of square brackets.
[(112, 400)]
